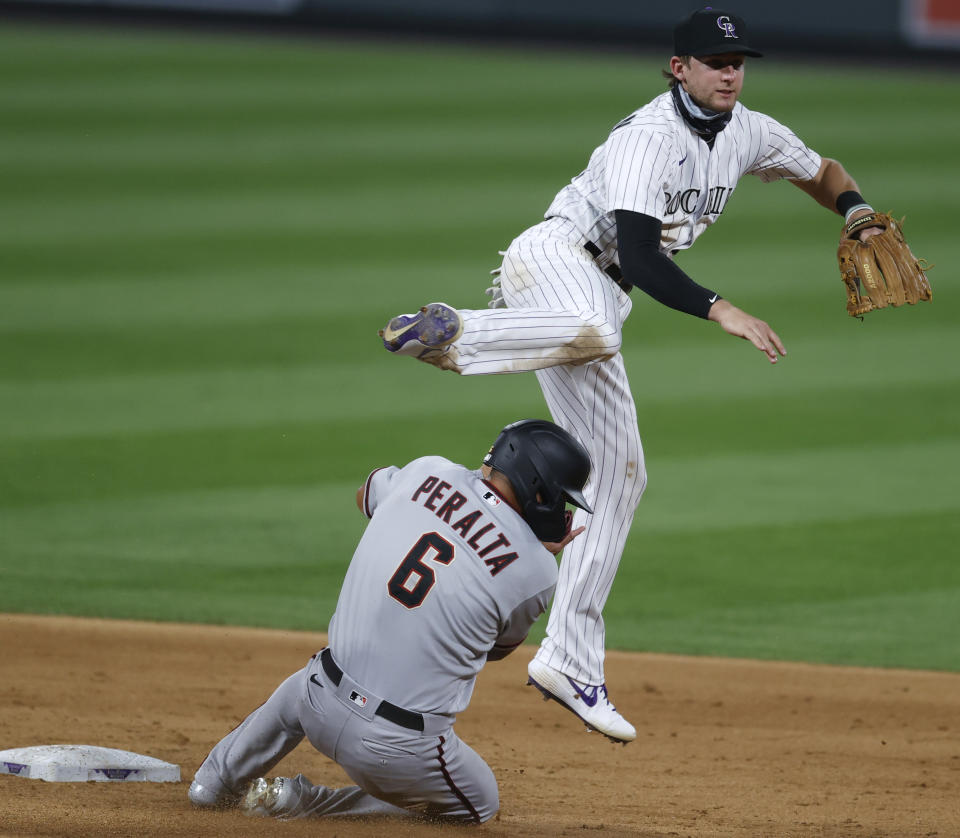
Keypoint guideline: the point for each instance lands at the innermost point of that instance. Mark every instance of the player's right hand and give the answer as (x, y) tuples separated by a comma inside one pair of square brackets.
[(736, 322)]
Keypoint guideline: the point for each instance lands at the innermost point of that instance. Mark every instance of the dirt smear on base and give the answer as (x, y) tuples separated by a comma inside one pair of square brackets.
[(724, 747)]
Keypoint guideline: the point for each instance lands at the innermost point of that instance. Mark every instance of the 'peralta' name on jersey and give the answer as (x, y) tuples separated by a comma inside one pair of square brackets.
[(481, 536)]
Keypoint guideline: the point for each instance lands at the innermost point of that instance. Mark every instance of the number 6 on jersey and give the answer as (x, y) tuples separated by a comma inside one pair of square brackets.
[(412, 566)]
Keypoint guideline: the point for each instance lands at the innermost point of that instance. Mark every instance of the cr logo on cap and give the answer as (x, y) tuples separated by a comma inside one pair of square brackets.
[(723, 22)]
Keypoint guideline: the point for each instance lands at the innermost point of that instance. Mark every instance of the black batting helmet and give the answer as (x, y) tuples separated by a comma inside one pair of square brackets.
[(540, 458)]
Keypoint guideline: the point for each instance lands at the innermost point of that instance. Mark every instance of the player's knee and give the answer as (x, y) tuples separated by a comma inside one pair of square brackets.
[(612, 342), (487, 814), (488, 807), (635, 470), (485, 796), (474, 807), (637, 483), (597, 340)]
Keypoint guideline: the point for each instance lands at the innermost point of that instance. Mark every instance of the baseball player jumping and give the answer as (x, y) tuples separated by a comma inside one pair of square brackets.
[(663, 175), (452, 570)]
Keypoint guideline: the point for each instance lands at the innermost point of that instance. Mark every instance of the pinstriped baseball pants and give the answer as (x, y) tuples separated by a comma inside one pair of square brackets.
[(564, 321)]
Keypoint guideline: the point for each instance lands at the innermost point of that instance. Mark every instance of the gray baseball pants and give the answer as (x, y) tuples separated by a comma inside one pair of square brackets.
[(398, 771)]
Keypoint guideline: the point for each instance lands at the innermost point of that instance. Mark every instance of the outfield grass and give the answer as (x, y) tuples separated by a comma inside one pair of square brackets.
[(199, 237)]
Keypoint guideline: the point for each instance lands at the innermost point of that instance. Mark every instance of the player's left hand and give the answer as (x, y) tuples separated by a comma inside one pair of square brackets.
[(879, 270), (867, 232), (556, 546), (737, 322)]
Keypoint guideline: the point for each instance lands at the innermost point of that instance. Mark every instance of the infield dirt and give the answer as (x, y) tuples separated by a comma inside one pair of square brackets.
[(724, 747)]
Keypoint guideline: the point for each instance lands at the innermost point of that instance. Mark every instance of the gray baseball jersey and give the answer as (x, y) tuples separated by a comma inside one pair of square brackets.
[(445, 570), (446, 575)]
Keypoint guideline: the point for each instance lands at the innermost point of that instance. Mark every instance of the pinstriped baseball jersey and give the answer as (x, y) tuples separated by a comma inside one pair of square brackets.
[(445, 570), (562, 315), (654, 163)]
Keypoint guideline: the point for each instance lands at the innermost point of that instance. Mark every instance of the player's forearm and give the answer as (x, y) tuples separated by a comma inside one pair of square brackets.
[(498, 653), (644, 266), (830, 183)]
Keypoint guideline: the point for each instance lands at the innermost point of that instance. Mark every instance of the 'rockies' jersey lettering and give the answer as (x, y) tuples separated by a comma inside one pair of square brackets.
[(654, 163), (434, 488), (718, 199), (688, 200)]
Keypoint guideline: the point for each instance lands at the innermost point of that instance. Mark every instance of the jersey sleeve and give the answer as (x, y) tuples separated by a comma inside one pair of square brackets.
[(783, 154), (377, 486), (382, 482), (518, 623), (635, 170)]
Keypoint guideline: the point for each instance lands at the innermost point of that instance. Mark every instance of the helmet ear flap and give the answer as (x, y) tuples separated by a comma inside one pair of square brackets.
[(541, 459)]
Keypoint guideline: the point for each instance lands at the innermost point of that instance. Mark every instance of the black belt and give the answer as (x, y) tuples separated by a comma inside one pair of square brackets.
[(392, 713), (612, 270)]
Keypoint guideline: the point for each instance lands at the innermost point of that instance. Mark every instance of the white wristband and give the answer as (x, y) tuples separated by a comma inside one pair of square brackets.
[(856, 208)]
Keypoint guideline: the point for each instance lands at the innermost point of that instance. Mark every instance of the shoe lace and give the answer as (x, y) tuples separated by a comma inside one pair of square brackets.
[(606, 697)]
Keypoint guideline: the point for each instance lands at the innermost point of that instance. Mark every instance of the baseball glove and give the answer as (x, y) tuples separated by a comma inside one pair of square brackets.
[(880, 271)]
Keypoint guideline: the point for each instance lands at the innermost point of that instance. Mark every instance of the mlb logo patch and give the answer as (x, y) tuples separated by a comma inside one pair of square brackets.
[(356, 698), (492, 498)]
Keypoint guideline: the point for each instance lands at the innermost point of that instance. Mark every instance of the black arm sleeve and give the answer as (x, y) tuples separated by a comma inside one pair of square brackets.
[(643, 265)]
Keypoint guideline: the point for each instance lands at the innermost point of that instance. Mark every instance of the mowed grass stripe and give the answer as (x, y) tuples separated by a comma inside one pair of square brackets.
[(331, 253), (904, 630), (287, 69), (307, 276), (311, 204), (800, 485), (97, 410), (223, 528), (121, 160), (94, 412), (181, 154), (741, 472), (272, 453), (281, 353), (231, 401), (158, 219), (878, 589), (318, 201), (224, 295), (188, 555)]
